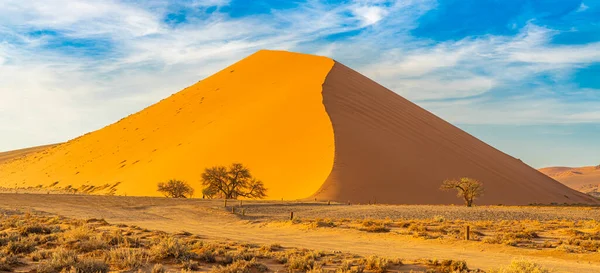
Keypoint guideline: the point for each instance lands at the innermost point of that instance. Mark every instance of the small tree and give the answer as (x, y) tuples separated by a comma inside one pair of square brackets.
[(208, 193), (467, 188), (176, 189), (233, 182)]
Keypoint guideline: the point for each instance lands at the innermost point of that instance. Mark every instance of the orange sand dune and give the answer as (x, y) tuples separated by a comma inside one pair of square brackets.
[(584, 179), (265, 111), (306, 126), (392, 151), (10, 155)]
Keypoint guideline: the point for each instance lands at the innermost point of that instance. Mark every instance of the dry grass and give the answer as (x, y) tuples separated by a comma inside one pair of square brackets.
[(56, 244), (582, 236), (521, 266)]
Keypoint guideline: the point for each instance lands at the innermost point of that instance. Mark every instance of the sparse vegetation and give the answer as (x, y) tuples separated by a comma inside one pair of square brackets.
[(59, 248), (176, 189), (521, 266), (467, 188), (233, 182)]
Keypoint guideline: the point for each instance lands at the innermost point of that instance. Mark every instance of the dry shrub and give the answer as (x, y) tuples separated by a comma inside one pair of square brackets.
[(39, 255), (8, 262), (241, 266), (521, 266), (20, 246), (127, 258), (34, 229), (158, 268), (90, 266), (374, 226), (301, 263), (376, 264), (448, 266), (63, 259), (323, 223), (170, 247), (80, 233)]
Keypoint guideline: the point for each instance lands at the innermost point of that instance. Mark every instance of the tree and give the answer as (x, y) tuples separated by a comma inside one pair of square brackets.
[(176, 189), (467, 188), (233, 182), (208, 193)]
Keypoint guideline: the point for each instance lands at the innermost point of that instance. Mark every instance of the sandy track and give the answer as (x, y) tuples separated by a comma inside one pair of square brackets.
[(211, 220)]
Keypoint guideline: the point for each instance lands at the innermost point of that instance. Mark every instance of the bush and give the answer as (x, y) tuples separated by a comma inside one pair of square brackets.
[(22, 246), (241, 266), (60, 259), (170, 247), (127, 258), (158, 268), (7, 262), (520, 266), (301, 263), (176, 189), (448, 266), (376, 264)]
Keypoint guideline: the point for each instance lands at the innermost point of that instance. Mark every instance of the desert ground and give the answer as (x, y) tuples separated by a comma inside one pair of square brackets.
[(563, 239)]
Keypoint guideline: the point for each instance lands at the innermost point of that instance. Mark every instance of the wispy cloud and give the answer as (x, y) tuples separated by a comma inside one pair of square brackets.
[(71, 66)]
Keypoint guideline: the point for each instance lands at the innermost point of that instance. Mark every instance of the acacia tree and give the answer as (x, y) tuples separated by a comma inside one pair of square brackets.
[(467, 188), (233, 182), (176, 189)]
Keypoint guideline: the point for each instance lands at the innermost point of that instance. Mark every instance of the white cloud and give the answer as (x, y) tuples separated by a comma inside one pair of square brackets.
[(369, 15), (582, 7)]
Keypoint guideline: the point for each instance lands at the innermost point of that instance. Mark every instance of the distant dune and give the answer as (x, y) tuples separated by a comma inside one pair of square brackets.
[(11, 155), (584, 179), (307, 126)]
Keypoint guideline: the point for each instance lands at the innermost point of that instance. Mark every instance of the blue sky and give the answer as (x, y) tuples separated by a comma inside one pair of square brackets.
[(522, 75)]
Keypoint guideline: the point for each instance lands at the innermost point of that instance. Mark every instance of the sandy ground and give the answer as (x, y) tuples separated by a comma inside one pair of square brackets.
[(265, 223)]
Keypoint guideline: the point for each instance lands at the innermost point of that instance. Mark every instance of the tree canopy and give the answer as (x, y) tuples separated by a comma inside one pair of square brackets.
[(176, 189), (467, 188), (232, 182)]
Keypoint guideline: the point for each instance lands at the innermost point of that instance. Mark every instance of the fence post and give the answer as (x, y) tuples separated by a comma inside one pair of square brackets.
[(467, 233), (225, 202), (291, 215)]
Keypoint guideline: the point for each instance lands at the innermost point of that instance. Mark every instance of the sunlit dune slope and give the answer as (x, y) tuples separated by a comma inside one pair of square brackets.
[(12, 155), (265, 111), (389, 150), (584, 179)]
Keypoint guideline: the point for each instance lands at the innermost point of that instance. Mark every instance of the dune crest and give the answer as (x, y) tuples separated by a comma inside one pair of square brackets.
[(306, 126)]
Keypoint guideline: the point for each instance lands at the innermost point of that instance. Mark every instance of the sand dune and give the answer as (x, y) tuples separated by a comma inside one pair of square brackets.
[(264, 111), (306, 126), (584, 179), (392, 151), (11, 155)]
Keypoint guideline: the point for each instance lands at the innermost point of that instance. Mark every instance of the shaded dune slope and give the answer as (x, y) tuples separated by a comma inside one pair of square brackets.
[(265, 111), (389, 150)]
